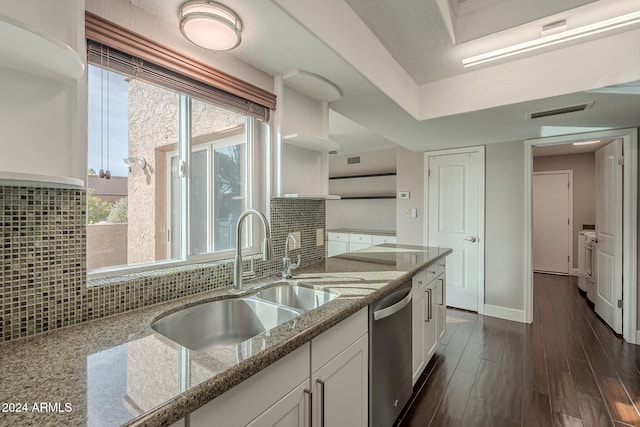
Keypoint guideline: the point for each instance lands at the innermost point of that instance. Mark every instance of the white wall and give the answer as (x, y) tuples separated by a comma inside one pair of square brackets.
[(42, 119), (504, 216), (369, 214), (410, 177), (504, 225)]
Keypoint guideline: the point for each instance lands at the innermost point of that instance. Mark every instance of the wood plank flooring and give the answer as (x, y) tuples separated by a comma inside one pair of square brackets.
[(565, 369)]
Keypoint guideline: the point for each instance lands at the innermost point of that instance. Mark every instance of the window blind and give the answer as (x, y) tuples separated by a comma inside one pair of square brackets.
[(114, 47)]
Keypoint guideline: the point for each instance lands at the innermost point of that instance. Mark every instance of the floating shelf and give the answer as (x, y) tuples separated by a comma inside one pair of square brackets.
[(18, 179), (312, 85), (371, 186), (367, 197), (25, 49), (310, 196), (370, 175), (313, 143)]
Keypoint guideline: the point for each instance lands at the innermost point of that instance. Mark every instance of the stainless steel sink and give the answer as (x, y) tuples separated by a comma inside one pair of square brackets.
[(298, 297), (223, 323)]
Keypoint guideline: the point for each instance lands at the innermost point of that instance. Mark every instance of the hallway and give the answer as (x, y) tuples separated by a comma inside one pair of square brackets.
[(565, 369)]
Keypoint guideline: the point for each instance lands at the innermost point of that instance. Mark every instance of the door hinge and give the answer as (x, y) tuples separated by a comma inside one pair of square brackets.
[(428, 173), (621, 160), (568, 258), (568, 184), (619, 303)]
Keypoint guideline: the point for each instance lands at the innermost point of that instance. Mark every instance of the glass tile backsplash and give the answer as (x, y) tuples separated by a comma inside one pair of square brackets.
[(43, 269)]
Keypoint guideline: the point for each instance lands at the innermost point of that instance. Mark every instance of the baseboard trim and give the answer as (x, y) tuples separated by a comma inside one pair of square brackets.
[(504, 313), (637, 337)]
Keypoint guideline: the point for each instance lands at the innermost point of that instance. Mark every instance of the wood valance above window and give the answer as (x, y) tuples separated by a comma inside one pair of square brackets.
[(112, 46)]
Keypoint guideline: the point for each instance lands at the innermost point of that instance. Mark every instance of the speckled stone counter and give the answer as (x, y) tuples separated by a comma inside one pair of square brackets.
[(117, 370)]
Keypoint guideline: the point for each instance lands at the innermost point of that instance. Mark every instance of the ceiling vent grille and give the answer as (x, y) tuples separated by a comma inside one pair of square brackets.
[(558, 111)]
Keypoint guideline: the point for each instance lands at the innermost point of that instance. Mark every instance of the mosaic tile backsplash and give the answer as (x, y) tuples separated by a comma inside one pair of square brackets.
[(43, 267)]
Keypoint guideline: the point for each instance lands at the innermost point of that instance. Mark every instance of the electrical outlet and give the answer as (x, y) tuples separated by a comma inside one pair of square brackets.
[(320, 237)]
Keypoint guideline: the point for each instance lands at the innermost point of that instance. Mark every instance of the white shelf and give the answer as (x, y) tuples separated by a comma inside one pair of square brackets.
[(311, 196), (312, 85), (18, 179), (25, 49), (313, 143)]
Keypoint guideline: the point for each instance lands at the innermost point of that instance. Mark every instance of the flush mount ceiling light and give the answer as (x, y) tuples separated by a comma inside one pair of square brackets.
[(552, 39), (210, 25), (587, 142)]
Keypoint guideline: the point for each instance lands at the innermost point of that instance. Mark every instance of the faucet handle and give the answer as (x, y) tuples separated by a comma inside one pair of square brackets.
[(297, 264)]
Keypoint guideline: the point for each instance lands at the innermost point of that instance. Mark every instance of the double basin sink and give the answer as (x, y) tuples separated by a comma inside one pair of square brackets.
[(228, 322)]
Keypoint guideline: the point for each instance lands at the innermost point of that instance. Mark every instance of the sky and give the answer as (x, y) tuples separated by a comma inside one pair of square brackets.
[(118, 121)]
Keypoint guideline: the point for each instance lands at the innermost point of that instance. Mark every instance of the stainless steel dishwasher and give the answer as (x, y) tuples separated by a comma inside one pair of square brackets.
[(390, 356)]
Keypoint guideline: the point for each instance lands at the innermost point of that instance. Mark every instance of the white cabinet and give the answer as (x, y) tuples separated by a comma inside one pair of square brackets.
[(379, 240), (339, 243), (417, 330), (430, 327), (429, 314), (441, 304), (325, 380), (291, 411), (250, 399), (340, 394), (359, 241), (340, 379)]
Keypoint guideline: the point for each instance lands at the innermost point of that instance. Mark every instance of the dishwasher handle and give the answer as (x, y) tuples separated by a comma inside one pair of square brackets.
[(404, 294)]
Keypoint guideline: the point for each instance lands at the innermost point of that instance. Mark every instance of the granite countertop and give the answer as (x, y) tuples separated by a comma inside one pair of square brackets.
[(117, 370)]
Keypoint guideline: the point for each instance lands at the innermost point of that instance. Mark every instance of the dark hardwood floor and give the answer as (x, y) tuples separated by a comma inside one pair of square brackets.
[(565, 369)]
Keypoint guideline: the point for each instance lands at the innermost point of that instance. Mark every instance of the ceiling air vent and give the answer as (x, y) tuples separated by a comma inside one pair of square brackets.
[(558, 111)]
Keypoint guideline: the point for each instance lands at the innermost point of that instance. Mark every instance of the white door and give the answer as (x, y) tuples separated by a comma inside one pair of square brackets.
[(608, 258), (455, 217), (552, 223)]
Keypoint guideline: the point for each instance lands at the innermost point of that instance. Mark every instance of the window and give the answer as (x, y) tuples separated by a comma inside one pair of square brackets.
[(139, 177), (173, 160)]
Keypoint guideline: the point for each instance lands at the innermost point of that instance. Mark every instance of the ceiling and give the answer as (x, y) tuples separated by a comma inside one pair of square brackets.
[(398, 66)]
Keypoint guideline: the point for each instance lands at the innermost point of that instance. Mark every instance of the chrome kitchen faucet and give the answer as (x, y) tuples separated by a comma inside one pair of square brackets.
[(287, 265), (267, 250)]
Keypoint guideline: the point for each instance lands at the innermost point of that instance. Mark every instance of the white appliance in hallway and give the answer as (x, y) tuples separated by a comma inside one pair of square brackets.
[(581, 259), (589, 273)]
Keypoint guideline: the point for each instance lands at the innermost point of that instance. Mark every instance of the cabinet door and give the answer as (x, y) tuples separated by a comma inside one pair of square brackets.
[(257, 394), (354, 246), (341, 388), (441, 305), (293, 410), (379, 240), (417, 334), (430, 328), (336, 247)]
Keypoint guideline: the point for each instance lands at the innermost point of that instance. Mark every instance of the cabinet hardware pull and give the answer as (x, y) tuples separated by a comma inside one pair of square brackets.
[(321, 414), (310, 413), (429, 305), (441, 291)]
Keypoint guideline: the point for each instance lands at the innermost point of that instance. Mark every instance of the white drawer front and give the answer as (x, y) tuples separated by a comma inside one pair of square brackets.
[(338, 237), (379, 240), (365, 239)]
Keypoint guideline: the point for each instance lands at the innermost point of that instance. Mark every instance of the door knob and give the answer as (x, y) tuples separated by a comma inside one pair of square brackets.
[(471, 239)]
